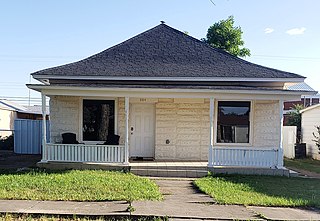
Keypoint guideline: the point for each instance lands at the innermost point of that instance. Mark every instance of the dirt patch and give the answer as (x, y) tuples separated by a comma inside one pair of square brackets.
[(10, 160)]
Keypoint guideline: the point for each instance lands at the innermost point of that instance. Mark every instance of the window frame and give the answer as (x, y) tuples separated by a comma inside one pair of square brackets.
[(215, 129), (81, 117)]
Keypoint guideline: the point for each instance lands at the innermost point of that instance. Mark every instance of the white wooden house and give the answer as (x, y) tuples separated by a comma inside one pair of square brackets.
[(310, 118), (170, 97)]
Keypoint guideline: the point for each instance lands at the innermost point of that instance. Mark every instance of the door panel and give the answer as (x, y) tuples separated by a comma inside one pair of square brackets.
[(142, 137)]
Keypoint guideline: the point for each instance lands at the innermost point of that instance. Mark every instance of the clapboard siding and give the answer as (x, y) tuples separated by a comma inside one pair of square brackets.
[(309, 119)]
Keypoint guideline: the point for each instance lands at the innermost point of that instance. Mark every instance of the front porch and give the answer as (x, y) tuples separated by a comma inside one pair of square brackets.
[(186, 130), (221, 156)]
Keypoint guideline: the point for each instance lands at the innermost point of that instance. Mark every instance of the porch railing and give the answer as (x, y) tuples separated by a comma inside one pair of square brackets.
[(245, 157), (84, 153)]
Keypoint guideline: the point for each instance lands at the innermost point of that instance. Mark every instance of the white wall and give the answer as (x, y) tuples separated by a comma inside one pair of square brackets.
[(6, 122), (310, 119), (289, 139)]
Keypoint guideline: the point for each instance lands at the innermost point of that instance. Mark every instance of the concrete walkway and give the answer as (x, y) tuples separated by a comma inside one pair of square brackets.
[(181, 202)]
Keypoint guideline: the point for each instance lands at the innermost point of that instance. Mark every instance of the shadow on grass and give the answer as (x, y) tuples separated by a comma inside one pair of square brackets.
[(31, 170)]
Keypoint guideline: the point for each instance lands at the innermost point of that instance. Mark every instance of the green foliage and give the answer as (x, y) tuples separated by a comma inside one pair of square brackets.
[(261, 190), (6, 143), (75, 185), (226, 36), (317, 137), (294, 118)]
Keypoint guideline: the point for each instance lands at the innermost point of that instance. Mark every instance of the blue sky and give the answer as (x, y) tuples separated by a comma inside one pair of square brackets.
[(37, 34)]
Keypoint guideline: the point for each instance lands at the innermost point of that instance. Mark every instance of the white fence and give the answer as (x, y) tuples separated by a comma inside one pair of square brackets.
[(245, 157), (84, 153), (288, 141)]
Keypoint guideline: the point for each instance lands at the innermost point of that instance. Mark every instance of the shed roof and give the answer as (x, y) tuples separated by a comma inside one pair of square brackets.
[(163, 52)]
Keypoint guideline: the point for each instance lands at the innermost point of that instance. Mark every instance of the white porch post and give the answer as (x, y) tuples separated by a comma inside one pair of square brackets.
[(280, 148), (210, 152), (44, 128), (126, 142)]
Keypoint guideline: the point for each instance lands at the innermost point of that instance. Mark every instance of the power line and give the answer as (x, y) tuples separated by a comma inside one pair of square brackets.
[(9, 97)]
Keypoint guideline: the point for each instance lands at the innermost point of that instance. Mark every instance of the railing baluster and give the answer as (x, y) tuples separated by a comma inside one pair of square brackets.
[(250, 157)]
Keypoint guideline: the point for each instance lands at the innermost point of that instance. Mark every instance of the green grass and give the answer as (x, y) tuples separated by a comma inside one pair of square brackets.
[(262, 190), (76, 185), (303, 164)]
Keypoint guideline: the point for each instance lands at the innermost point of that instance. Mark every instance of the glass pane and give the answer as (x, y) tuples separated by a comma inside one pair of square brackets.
[(233, 122), (98, 119)]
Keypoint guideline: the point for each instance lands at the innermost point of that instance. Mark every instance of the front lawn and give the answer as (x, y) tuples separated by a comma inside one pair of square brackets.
[(261, 190), (303, 164), (76, 185)]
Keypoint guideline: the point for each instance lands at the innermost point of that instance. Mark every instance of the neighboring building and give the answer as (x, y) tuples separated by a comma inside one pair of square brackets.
[(7, 116), (306, 99), (310, 118), (9, 111), (170, 97)]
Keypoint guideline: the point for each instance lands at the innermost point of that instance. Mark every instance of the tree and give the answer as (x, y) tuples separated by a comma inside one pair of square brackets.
[(294, 119), (226, 36)]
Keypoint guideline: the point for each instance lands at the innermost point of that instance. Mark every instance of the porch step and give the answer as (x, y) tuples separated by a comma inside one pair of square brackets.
[(185, 173), (250, 171), (293, 173)]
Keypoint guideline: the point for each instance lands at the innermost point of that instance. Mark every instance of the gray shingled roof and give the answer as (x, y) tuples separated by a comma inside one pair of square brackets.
[(163, 52)]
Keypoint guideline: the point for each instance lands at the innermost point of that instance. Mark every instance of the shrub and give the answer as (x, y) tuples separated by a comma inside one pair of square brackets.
[(6, 143)]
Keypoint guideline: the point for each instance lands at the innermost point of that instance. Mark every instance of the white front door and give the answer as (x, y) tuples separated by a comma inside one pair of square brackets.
[(142, 130)]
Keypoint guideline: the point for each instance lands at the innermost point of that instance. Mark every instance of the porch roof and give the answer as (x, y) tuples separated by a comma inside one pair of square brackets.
[(174, 91), (165, 53)]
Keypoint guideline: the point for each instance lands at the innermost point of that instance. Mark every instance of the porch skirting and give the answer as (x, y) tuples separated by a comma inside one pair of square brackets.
[(84, 153)]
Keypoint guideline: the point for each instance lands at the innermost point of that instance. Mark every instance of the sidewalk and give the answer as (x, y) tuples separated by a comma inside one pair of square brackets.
[(181, 201)]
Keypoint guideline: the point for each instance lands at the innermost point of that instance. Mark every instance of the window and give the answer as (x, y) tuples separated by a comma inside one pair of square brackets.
[(233, 122), (98, 119)]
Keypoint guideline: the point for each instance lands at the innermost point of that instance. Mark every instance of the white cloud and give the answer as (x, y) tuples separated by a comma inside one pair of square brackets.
[(296, 31), (268, 30)]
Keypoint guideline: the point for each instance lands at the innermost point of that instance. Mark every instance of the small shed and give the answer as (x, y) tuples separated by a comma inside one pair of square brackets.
[(310, 118)]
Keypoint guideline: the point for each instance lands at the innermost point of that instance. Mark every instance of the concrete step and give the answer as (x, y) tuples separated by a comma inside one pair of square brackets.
[(147, 167), (249, 171), (170, 173), (293, 173)]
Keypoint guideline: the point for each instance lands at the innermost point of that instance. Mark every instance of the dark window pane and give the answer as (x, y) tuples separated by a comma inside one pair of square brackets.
[(98, 119), (233, 122)]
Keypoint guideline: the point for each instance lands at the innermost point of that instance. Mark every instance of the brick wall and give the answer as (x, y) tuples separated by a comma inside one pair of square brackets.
[(266, 124), (186, 126), (64, 115)]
